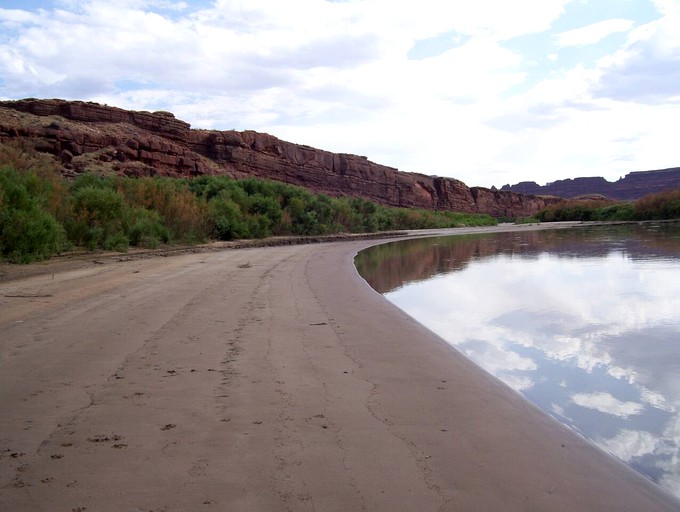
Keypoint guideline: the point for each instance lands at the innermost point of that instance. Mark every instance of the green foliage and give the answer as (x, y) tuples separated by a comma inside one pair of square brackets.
[(40, 213), (614, 212), (28, 232), (91, 180), (526, 220), (146, 229), (29, 235), (226, 218), (177, 208), (99, 217), (664, 205), (661, 206)]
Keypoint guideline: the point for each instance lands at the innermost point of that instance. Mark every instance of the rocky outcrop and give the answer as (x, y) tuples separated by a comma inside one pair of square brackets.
[(640, 183), (162, 123), (87, 136), (632, 186)]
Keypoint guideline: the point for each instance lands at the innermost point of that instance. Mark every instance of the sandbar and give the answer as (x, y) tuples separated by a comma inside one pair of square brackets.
[(267, 379)]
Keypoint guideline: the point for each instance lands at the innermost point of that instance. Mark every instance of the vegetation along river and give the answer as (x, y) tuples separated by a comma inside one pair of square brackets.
[(584, 323)]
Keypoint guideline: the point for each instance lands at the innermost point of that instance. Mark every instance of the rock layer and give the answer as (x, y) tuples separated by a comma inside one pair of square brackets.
[(87, 136), (632, 186)]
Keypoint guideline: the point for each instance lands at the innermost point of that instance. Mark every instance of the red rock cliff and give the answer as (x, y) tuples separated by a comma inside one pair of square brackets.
[(632, 186), (84, 135)]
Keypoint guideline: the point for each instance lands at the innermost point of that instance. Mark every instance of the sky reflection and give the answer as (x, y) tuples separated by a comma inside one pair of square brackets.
[(594, 340)]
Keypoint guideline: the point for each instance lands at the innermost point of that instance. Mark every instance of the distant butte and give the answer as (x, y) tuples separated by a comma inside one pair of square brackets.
[(86, 136), (632, 186)]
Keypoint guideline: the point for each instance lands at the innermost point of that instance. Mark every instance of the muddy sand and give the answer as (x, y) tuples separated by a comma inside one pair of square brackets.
[(266, 379)]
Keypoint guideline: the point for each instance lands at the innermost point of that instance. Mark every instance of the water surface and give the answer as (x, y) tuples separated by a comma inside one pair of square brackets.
[(584, 323)]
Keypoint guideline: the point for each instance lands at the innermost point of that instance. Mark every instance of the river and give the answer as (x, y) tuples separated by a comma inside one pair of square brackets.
[(584, 323)]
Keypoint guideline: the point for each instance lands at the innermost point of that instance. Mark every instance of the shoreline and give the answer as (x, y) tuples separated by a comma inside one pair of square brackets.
[(80, 259), (268, 379)]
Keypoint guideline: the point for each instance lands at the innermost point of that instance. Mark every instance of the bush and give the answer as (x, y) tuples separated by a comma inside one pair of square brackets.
[(181, 211), (268, 209), (92, 180), (661, 206), (615, 212), (664, 205), (29, 235), (98, 218), (526, 220), (147, 229), (40, 212), (27, 232), (226, 219)]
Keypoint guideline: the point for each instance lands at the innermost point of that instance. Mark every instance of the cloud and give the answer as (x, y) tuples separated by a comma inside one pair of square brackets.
[(647, 68), (629, 444), (594, 33), (606, 403), (337, 75), (589, 339), (534, 117)]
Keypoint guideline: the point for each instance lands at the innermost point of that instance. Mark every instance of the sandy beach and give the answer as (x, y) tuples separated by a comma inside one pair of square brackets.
[(267, 379)]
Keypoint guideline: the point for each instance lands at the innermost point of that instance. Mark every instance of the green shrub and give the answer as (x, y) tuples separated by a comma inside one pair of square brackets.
[(99, 216), (29, 235), (615, 212), (117, 241), (27, 231), (147, 229), (42, 212), (526, 220), (660, 206), (93, 180), (268, 207), (226, 219), (664, 205)]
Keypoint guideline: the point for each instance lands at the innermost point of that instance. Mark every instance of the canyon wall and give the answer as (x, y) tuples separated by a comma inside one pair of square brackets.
[(632, 186), (88, 136)]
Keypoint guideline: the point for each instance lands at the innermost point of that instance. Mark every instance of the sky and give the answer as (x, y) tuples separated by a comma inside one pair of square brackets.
[(489, 92)]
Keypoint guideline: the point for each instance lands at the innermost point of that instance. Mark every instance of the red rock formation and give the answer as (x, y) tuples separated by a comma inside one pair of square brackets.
[(89, 136), (632, 186), (163, 123)]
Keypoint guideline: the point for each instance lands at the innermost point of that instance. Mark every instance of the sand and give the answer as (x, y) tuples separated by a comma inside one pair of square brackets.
[(267, 379)]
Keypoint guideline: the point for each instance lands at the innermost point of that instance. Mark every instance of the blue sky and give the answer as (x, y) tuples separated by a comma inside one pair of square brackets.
[(489, 92)]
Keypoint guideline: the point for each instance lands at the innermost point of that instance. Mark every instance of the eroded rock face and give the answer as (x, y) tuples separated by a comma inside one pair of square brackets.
[(88, 136), (632, 186), (163, 123)]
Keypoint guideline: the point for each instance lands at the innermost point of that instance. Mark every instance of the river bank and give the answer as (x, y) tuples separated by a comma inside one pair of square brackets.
[(266, 378)]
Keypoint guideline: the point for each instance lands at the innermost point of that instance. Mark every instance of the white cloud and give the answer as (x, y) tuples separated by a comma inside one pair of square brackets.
[(567, 332), (656, 400), (647, 68), (14, 18), (594, 33), (336, 75), (606, 403), (630, 443)]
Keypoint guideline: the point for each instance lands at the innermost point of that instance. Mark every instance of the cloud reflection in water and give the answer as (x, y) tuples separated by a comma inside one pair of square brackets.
[(593, 340)]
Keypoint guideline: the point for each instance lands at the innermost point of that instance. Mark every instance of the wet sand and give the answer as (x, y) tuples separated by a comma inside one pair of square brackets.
[(267, 379)]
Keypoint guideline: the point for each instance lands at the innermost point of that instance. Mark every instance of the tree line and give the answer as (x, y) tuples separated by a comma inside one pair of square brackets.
[(42, 213), (660, 206)]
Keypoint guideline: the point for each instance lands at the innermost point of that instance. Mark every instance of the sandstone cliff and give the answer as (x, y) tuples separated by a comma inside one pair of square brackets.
[(632, 186), (87, 136)]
